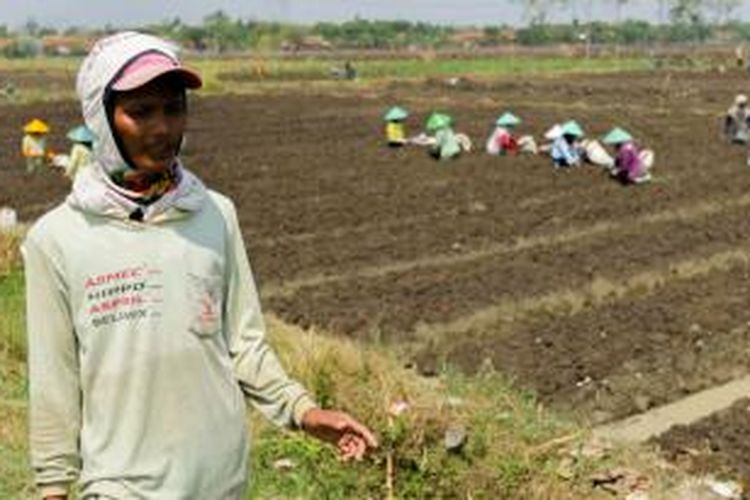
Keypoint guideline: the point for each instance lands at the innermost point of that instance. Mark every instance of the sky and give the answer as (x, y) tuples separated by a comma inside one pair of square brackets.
[(123, 13)]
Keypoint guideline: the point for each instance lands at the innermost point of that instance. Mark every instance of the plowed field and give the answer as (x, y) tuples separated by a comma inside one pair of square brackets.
[(605, 300)]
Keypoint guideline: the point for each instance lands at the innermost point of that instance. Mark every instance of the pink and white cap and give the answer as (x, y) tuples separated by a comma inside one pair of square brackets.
[(151, 65)]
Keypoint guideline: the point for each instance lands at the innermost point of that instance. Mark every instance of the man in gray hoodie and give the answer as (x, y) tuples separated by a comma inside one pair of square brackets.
[(145, 330)]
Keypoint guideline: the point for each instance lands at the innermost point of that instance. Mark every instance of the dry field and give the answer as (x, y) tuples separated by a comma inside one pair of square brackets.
[(602, 299)]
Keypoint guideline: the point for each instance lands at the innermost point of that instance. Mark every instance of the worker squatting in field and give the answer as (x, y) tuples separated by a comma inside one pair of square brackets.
[(502, 141), (567, 147)]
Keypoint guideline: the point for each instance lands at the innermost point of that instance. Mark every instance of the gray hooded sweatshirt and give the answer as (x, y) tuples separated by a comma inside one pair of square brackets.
[(145, 338)]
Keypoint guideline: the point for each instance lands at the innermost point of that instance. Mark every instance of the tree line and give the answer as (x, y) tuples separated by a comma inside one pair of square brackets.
[(681, 21)]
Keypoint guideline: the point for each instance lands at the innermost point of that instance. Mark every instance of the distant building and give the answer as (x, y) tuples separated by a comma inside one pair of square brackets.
[(308, 43), (59, 45), (470, 38), (467, 38), (6, 44)]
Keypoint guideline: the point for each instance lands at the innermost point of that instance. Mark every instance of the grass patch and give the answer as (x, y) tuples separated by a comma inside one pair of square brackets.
[(14, 466), (232, 75), (52, 79), (497, 66), (504, 455), (40, 64), (40, 79), (515, 447), (12, 332), (15, 482), (12, 328)]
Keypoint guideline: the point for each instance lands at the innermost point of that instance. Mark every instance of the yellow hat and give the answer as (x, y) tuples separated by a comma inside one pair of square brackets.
[(36, 126)]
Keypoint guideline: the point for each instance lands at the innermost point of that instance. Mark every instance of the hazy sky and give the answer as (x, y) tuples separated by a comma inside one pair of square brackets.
[(64, 13)]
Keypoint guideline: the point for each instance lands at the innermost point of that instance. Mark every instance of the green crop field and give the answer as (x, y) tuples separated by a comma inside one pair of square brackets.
[(53, 79)]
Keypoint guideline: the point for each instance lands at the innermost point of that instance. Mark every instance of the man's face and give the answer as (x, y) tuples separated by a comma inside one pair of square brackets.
[(150, 122)]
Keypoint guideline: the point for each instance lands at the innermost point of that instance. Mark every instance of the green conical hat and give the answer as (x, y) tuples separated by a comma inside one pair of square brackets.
[(508, 120), (617, 136), (396, 113), (572, 128), (81, 134), (438, 120)]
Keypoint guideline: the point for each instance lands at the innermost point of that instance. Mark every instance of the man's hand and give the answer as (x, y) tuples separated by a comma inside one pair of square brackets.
[(350, 437)]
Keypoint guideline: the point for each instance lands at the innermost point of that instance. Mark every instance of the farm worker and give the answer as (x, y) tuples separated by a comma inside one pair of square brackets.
[(446, 145), (394, 129), (350, 71), (502, 140), (737, 120), (554, 132), (631, 165), (145, 330), (596, 154), (34, 144), (739, 55), (566, 150), (550, 135), (80, 153)]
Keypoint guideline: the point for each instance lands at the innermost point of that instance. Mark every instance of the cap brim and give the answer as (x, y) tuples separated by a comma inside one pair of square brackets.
[(132, 81)]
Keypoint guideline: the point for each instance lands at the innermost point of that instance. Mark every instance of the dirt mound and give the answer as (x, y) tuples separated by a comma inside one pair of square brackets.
[(716, 445)]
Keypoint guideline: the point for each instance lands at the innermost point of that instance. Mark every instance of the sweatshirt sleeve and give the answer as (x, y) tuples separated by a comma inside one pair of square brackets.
[(257, 369), (54, 383)]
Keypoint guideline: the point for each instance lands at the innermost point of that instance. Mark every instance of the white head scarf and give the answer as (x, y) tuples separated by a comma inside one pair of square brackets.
[(93, 191)]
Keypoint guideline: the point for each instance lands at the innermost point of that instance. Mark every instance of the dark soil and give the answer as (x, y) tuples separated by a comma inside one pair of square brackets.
[(319, 196), (716, 445), (627, 355)]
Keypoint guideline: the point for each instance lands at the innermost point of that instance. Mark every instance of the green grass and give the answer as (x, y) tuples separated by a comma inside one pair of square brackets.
[(67, 64), (12, 339), (15, 482), (293, 71), (230, 75), (315, 472), (38, 79), (495, 463), (498, 66), (14, 466)]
